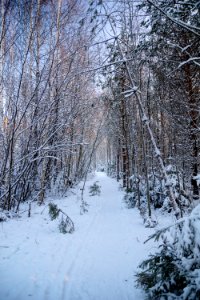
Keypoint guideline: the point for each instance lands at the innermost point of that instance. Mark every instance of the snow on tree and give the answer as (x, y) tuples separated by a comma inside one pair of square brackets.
[(173, 272), (95, 189)]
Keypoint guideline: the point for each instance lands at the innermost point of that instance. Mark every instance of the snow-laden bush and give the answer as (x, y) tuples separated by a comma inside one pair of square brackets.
[(130, 198), (158, 190), (111, 170), (174, 271), (95, 189), (5, 215), (60, 184)]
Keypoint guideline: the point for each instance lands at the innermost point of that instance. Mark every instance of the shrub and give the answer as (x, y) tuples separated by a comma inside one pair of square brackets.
[(95, 189), (174, 271), (66, 224)]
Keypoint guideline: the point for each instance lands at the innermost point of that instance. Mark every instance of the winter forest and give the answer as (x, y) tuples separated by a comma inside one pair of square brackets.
[(99, 149)]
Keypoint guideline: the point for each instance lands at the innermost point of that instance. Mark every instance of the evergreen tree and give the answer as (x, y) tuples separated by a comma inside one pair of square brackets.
[(174, 271), (66, 225), (95, 189)]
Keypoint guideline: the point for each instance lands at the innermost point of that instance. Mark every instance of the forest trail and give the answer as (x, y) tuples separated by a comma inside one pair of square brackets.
[(97, 262)]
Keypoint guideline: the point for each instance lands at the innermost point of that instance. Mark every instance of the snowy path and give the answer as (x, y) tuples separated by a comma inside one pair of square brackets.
[(97, 262)]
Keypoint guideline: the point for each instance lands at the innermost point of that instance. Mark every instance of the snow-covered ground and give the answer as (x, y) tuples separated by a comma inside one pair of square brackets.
[(97, 262)]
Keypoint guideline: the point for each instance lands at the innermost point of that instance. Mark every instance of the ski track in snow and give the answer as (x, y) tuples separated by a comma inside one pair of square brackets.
[(97, 262)]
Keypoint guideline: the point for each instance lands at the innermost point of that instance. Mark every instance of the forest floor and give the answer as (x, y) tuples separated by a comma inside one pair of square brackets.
[(97, 262)]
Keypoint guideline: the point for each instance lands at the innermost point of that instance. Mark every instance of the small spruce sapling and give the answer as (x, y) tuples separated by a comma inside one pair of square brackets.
[(53, 211), (130, 198), (83, 207), (66, 225), (95, 189), (62, 226), (174, 271)]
